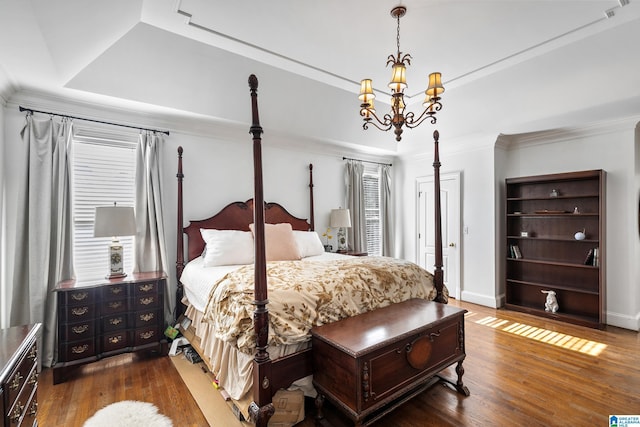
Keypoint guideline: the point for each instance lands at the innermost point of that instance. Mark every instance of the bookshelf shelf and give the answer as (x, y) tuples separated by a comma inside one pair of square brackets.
[(549, 210)]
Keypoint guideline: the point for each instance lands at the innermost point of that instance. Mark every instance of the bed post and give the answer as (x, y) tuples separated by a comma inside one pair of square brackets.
[(438, 277), (180, 308), (262, 408), (312, 219)]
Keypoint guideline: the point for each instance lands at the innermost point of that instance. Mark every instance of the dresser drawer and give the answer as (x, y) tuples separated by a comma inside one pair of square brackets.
[(118, 291), (147, 318), (78, 350), (79, 313), (115, 322), (78, 297), (146, 302), (146, 288), (21, 374), (115, 341), (146, 335), (78, 331), (114, 306), (23, 404)]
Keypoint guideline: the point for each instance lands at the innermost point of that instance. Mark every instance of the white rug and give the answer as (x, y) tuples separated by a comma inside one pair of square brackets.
[(128, 413)]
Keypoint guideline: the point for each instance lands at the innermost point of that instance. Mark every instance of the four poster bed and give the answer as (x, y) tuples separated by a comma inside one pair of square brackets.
[(257, 341)]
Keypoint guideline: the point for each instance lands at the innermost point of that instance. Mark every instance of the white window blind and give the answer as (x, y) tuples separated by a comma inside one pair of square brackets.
[(103, 172), (371, 181)]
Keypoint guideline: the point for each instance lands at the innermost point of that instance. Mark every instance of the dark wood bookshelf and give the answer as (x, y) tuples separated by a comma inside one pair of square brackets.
[(550, 209)]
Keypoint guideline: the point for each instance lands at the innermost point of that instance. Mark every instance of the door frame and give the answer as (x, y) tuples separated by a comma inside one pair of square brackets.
[(456, 177)]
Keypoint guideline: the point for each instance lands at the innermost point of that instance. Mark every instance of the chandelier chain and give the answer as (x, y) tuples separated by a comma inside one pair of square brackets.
[(398, 35)]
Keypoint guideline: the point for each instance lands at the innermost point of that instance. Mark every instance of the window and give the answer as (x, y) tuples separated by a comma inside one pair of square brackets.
[(103, 172), (371, 183)]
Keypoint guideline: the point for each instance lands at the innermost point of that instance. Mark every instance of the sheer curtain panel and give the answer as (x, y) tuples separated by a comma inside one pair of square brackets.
[(44, 253), (150, 253), (386, 211), (357, 234)]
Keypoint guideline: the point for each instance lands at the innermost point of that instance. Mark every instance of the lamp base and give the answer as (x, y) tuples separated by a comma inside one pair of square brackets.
[(115, 276)]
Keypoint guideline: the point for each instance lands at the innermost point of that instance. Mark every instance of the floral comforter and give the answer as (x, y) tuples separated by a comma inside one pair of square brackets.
[(311, 293)]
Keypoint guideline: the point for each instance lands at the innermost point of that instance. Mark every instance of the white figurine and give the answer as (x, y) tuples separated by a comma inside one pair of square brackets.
[(552, 303)]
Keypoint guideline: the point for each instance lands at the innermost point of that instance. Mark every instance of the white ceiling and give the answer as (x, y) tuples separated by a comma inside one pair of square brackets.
[(509, 66)]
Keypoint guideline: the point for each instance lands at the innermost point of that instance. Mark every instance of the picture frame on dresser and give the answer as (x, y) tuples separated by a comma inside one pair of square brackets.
[(98, 319)]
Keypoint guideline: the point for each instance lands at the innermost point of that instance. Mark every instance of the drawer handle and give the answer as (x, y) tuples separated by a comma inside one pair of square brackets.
[(116, 304), (116, 321), (33, 353), (80, 296), (80, 329), (17, 412), (80, 349), (146, 287), (146, 335), (79, 311), (147, 301), (15, 381), (115, 340), (146, 317), (34, 409), (433, 335), (33, 379), (115, 291)]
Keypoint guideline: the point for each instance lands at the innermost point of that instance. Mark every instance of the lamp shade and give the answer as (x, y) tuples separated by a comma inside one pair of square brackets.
[(340, 218), (366, 91), (114, 221), (398, 77), (435, 85)]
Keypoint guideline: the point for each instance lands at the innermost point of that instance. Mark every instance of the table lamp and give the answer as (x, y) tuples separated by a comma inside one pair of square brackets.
[(340, 219), (114, 221)]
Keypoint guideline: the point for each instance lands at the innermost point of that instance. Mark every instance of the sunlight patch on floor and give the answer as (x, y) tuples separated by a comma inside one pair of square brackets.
[(581, 345)]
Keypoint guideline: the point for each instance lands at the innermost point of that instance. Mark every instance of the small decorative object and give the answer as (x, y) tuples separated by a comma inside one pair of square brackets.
[(524, 234), (554, 193), (551, 303), (575, 210), (580, 235), (327, 234)]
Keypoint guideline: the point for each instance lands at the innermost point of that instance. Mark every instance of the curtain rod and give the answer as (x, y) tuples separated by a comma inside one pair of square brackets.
[(22, 109), (368, 161)]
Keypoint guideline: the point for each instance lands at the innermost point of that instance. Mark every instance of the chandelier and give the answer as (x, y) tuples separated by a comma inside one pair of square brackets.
[(398, 118)]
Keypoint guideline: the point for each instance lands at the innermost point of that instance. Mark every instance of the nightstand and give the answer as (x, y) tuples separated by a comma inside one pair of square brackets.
[(104, 318), (353, 253)]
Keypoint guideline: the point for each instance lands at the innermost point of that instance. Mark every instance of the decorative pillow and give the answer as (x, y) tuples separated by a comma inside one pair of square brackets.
[(280, 245), (227, 247), (309, 243)]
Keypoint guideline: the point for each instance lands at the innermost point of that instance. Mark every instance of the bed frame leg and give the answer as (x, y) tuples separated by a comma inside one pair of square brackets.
[(260, 415)]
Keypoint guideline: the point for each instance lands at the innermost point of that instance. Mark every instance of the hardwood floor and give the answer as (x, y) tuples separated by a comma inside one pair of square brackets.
[(520, 369)]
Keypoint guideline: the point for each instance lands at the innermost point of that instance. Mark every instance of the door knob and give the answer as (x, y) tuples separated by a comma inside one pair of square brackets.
[(452, 245)]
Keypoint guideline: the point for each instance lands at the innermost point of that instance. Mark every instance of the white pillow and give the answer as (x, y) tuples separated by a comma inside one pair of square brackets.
[(227, 247), (308, 242)]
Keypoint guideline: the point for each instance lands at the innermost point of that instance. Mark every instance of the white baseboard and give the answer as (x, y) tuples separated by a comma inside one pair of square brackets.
[(623, 320), (480, 299)]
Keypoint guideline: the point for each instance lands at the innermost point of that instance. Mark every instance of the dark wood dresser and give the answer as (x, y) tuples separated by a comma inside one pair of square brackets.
[(370, 364), (19, 375), (97, 320)]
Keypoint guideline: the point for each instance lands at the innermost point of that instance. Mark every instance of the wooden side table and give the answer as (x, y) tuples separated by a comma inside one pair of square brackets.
[(108, 317), (353, 253)]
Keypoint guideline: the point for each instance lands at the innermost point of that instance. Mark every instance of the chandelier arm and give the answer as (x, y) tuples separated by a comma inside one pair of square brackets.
[(365, 126), (411, 122), (385, 123)]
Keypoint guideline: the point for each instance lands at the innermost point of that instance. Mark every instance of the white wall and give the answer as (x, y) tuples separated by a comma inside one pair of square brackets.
[(612, 148), (4, 321), (478, 274)]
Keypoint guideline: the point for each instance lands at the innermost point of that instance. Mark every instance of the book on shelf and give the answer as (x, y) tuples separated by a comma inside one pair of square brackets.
[(589, 259), (596, 257), (514, 252)]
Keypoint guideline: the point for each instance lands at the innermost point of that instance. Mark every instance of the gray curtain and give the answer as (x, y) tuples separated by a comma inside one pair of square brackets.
[(386, 210), (44, 235), (150, 252), (357, 234)]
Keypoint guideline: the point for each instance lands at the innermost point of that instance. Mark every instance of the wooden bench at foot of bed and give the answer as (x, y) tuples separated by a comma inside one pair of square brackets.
[(370, 364)]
